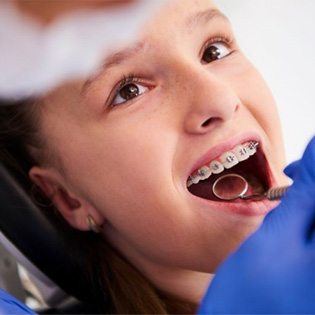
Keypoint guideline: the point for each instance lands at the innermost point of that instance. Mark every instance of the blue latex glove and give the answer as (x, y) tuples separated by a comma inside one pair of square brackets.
[(274, 270), (10, 305)]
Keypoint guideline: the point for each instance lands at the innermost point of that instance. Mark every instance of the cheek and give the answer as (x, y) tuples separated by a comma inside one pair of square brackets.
[(122, 164), (256, 96), (259, 105)]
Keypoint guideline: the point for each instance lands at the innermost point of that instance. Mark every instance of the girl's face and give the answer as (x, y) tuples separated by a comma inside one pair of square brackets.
[(128, 139)]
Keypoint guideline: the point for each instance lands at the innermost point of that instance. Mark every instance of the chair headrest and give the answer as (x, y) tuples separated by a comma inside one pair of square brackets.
[(39, 240)]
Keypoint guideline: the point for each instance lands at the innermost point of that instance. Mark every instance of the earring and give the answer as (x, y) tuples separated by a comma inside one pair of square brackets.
[(92, 225)]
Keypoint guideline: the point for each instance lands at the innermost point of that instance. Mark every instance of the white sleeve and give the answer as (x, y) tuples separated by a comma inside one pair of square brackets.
[(34, 59)]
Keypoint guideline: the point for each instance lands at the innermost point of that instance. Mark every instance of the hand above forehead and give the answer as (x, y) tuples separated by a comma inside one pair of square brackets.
[(67, 40), (273, 271), (53, 10)]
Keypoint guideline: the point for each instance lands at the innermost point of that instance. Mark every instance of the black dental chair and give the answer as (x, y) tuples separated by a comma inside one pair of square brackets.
[(31, 236)]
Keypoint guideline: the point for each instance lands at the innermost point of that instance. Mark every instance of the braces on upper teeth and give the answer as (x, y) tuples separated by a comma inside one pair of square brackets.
[(226, 161)]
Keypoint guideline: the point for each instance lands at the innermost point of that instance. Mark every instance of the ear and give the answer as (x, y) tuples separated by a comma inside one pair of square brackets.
[(73, 208)]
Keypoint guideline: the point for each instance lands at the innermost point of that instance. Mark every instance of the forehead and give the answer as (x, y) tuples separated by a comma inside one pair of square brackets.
[(180, 13)]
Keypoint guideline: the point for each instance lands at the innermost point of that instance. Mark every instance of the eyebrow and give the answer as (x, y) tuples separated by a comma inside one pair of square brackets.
[(112, 60), (200, 17)]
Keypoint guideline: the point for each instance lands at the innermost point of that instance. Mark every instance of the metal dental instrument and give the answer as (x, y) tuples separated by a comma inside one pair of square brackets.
[(234, 188), (237, 187)]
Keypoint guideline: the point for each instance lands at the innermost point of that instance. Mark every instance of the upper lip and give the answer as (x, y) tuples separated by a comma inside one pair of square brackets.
[(215, 151)]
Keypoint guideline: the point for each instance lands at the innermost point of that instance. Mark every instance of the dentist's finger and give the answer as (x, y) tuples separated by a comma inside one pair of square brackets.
[(294, 218), (292, 169), (305, 175)]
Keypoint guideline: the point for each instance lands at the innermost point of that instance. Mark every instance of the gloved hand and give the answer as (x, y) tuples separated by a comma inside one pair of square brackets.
[(274, 270), (10, 305)]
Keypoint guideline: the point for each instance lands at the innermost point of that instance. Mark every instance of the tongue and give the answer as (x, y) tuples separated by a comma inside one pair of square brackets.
[(255, 186)]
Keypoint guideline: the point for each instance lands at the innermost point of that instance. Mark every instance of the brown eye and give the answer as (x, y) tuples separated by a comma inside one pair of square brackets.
[(128, 92), (215, 51)]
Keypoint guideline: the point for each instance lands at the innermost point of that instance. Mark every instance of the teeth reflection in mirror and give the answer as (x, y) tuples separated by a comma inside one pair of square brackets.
[(228, 159), (216, 167)]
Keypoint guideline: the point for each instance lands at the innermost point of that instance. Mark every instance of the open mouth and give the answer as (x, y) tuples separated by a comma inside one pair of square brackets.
[(246, 160)]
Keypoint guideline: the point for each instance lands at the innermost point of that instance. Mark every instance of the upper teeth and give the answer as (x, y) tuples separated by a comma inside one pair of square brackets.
[(227, 160)]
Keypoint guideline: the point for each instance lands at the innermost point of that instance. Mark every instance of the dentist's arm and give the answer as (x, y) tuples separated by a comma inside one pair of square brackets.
[(274, 270)]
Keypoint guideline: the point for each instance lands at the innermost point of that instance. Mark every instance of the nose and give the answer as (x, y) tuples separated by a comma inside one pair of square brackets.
[(210, 102)]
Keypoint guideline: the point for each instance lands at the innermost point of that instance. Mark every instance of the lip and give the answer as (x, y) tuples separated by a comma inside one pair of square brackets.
[(219, 149), (242, 207)]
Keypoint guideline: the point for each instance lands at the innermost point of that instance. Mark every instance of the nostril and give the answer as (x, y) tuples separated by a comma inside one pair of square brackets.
[(207, 122), (212, 120)]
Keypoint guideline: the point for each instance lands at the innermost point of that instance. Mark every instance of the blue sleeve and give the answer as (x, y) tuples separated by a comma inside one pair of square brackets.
[(10, 305)]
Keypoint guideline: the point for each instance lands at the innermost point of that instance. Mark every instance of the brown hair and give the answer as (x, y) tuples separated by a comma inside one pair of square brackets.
[(117, 286)]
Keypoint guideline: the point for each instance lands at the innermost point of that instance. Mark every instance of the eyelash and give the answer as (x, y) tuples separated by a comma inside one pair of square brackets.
[(124, 81), (221, 38), (132, 78), (227, 39)]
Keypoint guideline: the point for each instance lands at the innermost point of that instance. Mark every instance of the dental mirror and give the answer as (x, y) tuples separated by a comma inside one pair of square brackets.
[(233, 186), (230, 187)]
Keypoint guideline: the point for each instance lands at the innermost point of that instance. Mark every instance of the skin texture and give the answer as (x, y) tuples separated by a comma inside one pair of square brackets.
[(127, 165)]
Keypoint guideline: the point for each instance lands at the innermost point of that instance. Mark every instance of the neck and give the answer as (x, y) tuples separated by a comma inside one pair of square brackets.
[(186, 285)]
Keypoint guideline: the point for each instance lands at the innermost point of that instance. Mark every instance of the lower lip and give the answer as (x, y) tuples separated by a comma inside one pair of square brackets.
[(241, 207)]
